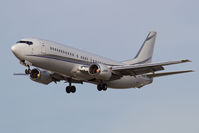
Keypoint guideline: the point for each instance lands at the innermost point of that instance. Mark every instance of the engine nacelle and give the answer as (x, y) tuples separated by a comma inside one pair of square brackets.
[(40, 76), (100, 71)]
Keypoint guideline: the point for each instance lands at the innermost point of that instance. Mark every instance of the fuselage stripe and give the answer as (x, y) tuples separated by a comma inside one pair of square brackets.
[(68, 59)]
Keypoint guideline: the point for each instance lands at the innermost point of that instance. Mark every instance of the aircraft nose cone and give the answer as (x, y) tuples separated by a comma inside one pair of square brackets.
[(13, 48), (16, 51)]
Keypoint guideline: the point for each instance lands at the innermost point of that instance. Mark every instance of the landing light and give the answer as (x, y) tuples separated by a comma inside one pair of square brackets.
[(97, 71)]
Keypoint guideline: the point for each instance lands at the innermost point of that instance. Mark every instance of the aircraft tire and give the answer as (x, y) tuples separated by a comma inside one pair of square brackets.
[(99, 87), (68, 89), (73, 89), (27, 71), (104, 87)]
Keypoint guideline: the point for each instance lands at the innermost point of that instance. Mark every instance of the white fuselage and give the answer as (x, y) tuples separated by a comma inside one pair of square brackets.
[(68, 61)]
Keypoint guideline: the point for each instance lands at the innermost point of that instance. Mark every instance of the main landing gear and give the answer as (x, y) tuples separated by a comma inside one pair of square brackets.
[(101, 87), (70, 88)]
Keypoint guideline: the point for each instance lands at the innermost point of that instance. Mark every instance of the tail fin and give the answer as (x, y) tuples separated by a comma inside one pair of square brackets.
[(145, 53)]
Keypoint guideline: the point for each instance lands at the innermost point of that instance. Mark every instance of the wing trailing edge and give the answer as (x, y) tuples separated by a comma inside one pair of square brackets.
[(144, 68)]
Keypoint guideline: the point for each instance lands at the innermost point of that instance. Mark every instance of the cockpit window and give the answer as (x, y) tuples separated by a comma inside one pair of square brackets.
[(26, 42)]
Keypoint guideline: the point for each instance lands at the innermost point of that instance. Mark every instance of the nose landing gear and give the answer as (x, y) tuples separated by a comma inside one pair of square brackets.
[(28, 70)]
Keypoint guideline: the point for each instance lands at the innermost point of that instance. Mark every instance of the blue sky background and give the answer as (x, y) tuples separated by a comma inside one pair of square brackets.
[(114, 29)]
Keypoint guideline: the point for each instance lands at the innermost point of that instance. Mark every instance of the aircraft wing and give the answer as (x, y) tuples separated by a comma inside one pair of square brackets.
[(57, 77), (143, 68), (167, 73)]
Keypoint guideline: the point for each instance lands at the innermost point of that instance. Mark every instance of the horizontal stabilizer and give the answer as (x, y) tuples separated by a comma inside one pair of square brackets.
[(167, 73)]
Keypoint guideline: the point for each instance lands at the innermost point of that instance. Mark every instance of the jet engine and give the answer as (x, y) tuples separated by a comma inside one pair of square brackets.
[(100, 71), (40, 76)]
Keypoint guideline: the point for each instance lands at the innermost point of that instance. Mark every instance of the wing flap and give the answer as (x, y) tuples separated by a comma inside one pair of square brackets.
[(167, 73), (144, 68)]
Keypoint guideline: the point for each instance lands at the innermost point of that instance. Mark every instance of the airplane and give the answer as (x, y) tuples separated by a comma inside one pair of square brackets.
[(55, 62)]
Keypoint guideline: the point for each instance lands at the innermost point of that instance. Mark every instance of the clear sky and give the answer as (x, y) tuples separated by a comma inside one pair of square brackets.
[(114, 29)]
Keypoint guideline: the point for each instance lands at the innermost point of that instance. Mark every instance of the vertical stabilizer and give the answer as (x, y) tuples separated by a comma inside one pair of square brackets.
[(145, 53)]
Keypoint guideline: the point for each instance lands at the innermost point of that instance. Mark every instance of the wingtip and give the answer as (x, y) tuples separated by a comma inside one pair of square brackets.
[(16, 74), (189, 71), (187, 60)]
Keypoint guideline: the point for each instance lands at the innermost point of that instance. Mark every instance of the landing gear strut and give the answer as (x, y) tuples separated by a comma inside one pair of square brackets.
[(101, 87), (70, 88)]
